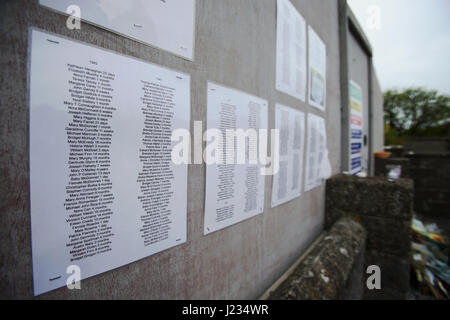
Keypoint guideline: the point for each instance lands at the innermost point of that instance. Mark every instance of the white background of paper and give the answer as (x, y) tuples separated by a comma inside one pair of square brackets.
[(168, 25), (289, 176), (315, 151), (49, 149), (218, 95), (318, 62), (291, 50), (354, 155)]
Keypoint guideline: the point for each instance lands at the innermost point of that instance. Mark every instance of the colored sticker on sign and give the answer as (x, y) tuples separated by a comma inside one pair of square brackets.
[(356, 128)]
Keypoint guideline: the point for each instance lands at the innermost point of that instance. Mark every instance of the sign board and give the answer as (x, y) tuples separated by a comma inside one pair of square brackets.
[(356, 128)]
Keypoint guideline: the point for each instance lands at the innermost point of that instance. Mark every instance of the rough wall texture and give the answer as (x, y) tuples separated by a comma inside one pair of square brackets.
[(235, 46), (426, 145), (332, 270), (385, 210), (431, 175), (427, 162)]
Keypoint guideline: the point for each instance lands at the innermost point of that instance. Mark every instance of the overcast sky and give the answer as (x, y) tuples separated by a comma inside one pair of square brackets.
[(412, 45)]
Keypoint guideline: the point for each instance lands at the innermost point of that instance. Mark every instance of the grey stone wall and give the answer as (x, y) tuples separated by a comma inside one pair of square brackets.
[(431, 175), (332, 270), (430, 172), (382, 166), (235, 47), (385, 210), (427, 145)]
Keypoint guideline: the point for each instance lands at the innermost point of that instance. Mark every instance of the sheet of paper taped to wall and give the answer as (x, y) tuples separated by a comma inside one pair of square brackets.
[(168, 25), (326, 170), (287, 182), (103, 189), (317, 162), (234, 192), (291, 71), (317, 70)]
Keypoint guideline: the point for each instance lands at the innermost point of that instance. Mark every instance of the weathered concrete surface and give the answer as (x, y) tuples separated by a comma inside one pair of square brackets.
[(235, 46), (426, 161), (427, 145), (332, 270), (371, 197), (385, 210), (431, 175)]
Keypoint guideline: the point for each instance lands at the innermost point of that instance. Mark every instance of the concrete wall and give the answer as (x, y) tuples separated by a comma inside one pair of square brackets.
[(385, 210), (426, 161), (333, 269), (427, 145), (235, 46), (431, 175)]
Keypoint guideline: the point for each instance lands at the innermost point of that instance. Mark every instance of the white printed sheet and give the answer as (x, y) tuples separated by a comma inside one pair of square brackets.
[(287, 182), (317, 71), (291, 50), (234, 192), (168, 25), (104, 191), (316, 152)]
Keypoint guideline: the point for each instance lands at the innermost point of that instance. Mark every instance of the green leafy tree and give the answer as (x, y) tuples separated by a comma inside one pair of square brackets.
[(415, 112)]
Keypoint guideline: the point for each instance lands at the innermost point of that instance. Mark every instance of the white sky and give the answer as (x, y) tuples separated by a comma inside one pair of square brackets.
[(412, 45)]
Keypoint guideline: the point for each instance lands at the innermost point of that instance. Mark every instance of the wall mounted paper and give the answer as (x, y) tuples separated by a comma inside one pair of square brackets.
[(315, 151), (104, 191), (234, 192), (356, 128), (168, 25), (317, 70), (291, 50), (287, 182)]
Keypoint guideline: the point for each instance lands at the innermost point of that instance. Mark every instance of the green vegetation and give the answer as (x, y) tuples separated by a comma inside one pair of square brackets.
[(415, 112)]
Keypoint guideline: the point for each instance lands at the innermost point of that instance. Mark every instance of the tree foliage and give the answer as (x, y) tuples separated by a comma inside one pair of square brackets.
[(415, 112)]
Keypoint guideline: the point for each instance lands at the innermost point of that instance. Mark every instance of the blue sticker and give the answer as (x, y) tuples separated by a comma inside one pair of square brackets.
[(356, 162), (356, 147), (356, 134)]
